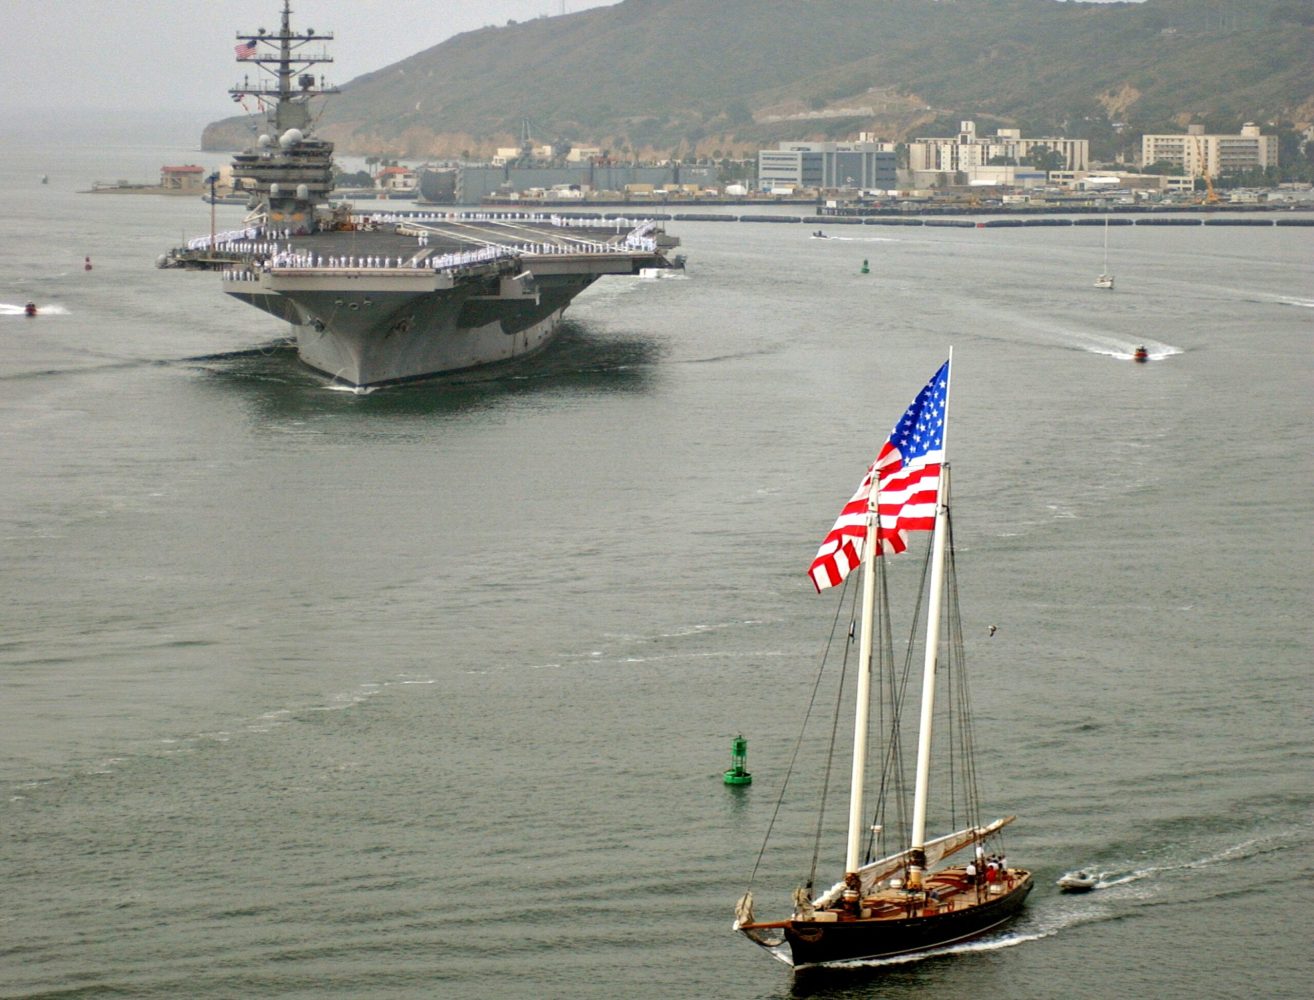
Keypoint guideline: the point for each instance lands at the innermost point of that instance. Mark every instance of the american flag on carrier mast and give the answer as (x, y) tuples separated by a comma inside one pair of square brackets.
[(907, 475)]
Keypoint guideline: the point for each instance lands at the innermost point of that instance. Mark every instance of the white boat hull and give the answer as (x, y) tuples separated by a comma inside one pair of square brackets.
[(1077, 882)]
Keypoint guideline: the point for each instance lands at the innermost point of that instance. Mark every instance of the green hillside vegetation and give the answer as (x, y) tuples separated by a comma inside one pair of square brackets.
[(657, 78)]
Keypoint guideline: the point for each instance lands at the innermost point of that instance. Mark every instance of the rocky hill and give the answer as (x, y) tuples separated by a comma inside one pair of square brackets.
[(656, 78)]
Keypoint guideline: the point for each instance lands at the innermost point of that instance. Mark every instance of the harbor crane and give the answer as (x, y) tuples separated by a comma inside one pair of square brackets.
[(1211, 196)]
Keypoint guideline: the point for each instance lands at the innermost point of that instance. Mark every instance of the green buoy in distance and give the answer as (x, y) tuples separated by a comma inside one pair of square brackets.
[(737, 775), (865, 268)]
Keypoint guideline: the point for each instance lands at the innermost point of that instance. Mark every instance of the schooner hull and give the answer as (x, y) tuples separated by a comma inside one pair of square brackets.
[(819, 943)]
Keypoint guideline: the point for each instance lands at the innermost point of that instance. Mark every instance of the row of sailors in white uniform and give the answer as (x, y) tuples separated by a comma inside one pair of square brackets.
[(290, 259), (561, 221), (250, 233), (224, 240), (244, 240)]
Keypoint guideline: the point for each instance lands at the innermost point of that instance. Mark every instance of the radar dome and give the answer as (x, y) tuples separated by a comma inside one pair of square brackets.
[(263, 141), (303, 192), (275, 190), (290, 138)]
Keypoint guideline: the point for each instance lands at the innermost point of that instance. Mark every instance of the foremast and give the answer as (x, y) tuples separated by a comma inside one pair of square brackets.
[(289, 171)]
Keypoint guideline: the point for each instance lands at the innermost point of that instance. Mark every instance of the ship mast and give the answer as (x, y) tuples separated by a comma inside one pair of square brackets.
[(281, 57), (289, 171), (857, 828), (921, 787)]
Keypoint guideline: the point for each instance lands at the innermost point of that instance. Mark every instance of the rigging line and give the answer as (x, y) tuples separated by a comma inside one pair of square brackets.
[(886, 690), (967, 736), (834, 731), (916, 629), (895, 768), (891, 776), (953, 683), (798, 744)]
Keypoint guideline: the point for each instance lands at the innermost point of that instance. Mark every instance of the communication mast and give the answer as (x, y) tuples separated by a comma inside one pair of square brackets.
[(289, 170)]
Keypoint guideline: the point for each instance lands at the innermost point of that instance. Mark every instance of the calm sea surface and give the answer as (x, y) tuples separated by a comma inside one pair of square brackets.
[(428, 692)]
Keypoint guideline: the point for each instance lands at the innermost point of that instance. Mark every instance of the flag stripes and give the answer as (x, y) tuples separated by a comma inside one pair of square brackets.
[(907, 473)]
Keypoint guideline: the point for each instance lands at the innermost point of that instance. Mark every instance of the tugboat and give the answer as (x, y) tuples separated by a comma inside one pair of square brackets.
[(386, 298)]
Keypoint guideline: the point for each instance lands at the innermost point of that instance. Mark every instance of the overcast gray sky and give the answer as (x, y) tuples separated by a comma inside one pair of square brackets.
[(178, 54)]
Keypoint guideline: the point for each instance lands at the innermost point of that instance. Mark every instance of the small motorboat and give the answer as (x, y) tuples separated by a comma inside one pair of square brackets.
[(1078, 882), (30, 309), (1140, 354), (819, 235)]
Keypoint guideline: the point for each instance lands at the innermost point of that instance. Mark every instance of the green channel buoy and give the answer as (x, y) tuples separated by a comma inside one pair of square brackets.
[(865, 268), (737, 775)]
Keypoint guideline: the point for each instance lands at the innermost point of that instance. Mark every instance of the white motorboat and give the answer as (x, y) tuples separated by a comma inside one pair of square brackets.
[(1078, 882)]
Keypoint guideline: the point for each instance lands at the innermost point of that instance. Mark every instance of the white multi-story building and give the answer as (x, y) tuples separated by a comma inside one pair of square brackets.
[(967, 150), (1200, 155)]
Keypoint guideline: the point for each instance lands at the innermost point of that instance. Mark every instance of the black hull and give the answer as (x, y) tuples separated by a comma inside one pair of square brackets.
[(818, 943)]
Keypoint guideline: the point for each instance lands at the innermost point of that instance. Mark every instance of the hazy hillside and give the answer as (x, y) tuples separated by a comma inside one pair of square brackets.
[(662, 77)]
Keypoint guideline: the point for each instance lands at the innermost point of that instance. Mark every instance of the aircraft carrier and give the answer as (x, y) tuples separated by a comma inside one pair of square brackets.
[(380, 298)]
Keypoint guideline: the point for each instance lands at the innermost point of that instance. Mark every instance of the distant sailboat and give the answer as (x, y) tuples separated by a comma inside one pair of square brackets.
[(1105, 280)]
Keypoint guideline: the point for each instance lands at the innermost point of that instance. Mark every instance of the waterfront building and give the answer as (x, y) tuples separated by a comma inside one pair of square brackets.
[(1201, 155), (397, 180), (188, 177), (1112, 179), (865, 165), (513, 154), (967, 150)]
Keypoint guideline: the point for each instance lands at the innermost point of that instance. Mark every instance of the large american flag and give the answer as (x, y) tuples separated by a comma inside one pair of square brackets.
[(245, 50), (907, 473)]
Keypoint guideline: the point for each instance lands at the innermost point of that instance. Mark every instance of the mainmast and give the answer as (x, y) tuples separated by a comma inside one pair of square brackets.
[(289, 170), (921, 788), (286, 97), (857, 821)]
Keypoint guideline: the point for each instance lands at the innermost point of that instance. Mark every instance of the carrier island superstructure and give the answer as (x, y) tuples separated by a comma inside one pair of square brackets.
[(381, 298)]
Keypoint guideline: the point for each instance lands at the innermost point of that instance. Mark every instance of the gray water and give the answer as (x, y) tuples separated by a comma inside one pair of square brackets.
[(428, 692)]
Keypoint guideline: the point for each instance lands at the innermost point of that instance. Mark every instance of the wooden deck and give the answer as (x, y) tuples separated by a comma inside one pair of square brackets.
[(951, 889)]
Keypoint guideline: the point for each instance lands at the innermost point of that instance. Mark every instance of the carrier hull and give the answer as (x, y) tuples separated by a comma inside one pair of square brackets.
[(368, 327)]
